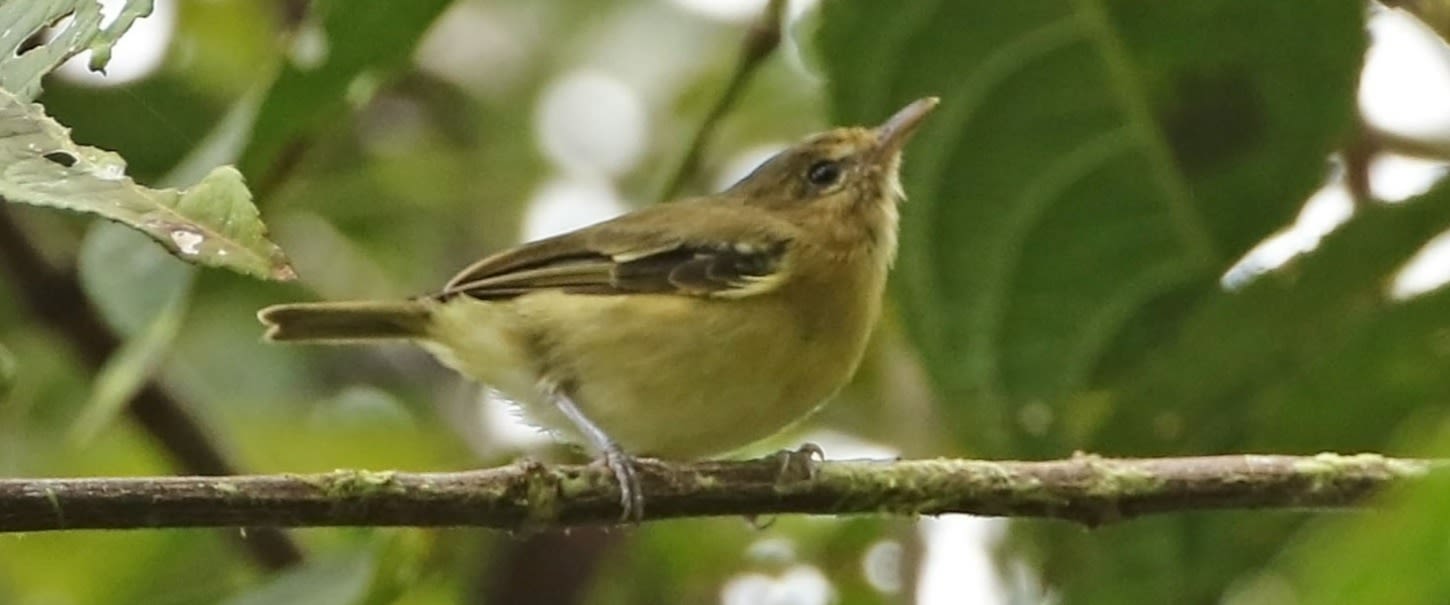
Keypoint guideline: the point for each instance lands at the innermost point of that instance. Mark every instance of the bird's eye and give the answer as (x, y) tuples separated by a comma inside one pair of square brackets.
[(824, 173)]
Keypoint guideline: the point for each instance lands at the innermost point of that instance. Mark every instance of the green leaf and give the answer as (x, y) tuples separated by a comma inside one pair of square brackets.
[(7, 372), (1088, 160), (1312, 358), (127, 370), (360, 43), (21, 72), (213, 223), (1316, 357), (335, 580), (1093, 170), (144, 294), (129, 280)]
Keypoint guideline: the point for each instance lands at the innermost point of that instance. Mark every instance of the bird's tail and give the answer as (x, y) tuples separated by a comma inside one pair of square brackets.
[(346, 321)]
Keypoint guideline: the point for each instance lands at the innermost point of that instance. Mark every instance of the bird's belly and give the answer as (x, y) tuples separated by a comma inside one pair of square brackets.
[(672, 382), (683, 383)]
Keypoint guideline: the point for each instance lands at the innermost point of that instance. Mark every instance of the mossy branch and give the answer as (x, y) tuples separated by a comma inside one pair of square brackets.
[(1086, 489)]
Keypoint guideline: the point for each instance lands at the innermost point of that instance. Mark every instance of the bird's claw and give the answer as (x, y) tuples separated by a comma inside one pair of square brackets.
[(631, 496), (800, 464)]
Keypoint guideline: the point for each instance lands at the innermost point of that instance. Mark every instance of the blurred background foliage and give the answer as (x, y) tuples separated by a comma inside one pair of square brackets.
[(1093, 259)]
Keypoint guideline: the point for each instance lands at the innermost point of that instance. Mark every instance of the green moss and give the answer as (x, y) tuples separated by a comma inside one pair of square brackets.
[(55, 506), (1117, 481), (1327, 469), (358, 483)]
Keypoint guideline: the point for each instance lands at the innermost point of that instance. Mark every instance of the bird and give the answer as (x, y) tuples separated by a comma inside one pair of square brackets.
[(678, 331)]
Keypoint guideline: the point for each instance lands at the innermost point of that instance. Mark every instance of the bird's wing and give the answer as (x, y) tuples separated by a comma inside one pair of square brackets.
[(689, 248)]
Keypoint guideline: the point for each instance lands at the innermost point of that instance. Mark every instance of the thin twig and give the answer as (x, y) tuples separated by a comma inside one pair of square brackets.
[(1426, 147), (57, 300), (1085, 489), (760, 41), (1357, 155)]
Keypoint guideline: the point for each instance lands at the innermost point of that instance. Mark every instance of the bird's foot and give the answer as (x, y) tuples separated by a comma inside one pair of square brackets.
[(800, 464), (631, 496)]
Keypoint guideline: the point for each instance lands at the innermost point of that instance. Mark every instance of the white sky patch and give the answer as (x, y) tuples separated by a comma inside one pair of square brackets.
[(1395, 178), (1325, 210), (1405, 87), (136, 55), (1428, 270)]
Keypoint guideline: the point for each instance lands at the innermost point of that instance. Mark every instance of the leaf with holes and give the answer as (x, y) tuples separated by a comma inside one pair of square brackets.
[(23, 68), (212, 223)]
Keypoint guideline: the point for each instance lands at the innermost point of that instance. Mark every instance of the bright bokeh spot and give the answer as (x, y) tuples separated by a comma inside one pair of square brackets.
[(882, 566), (138, 53), (845, 446), (568, 204), (591, 123), (725, 10), (799, 585), (772, 551), (483, 47), (309, 47), (957, 565), (741, 10)]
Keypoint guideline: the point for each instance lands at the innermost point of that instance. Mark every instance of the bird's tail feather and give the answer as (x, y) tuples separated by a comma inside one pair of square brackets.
[(346, 321)]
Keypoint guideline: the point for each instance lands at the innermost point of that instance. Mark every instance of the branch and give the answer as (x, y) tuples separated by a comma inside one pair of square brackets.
[(760, 41), (57, 300), (1085, 489)]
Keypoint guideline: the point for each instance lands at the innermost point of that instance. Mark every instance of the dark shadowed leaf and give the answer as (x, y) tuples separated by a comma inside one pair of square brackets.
[(350, 45), (1088, 159), (1093, 170)]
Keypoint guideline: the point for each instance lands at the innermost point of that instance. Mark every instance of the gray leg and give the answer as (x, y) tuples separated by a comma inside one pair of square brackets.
[(631, 499)]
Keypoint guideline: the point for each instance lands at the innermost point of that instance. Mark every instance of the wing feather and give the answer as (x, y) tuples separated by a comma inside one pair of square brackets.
[(686, 248)]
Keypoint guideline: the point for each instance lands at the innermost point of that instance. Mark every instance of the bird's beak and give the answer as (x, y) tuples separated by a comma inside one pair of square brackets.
[(893, 135)]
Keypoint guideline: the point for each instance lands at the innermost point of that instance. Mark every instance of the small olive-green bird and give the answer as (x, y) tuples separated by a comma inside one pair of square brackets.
[(681, 330)]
